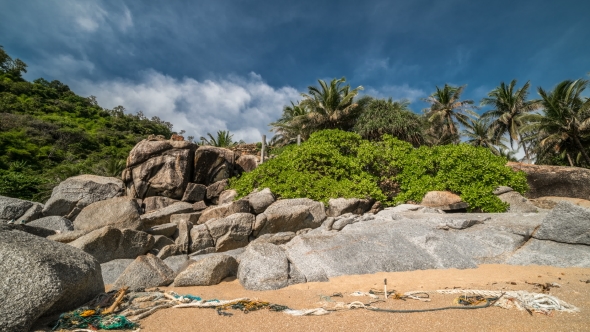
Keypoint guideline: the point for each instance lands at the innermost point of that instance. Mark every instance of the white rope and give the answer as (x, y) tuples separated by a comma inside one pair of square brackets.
[(307, 312), (359, 293), (210, 304)]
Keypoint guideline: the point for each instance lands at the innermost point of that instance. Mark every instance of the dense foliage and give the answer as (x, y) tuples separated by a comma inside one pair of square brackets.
[(334, 163), (48, 133)]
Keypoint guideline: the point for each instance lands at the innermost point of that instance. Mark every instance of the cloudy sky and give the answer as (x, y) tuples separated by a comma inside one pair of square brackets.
[(232, 65)]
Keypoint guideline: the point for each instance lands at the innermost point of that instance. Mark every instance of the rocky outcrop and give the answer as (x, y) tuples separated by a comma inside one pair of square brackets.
[(156, 203), (159, 168), (224, 210), (145, 272), (200, 238), (247, 163), (40, 277), (162, 216), (213, 164), (209, 271), (113, 269), (194, 193), (443, 200), (265, 266), (164, 229), (549, 202), (543, 180), (76, 193), (119, 212), (108, 243), (231, 232), (55, 223), (516, 202), (340, 206), (18, 209), (227, 196), (566, 223), (290, 215), (260, 200)]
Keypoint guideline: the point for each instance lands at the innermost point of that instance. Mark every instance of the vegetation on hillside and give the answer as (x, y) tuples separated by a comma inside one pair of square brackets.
[(48, 133)]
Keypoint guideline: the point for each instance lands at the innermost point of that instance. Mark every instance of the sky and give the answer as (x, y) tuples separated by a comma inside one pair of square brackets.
[(206, 66)]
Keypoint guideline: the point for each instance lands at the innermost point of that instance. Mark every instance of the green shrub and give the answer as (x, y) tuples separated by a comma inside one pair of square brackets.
[(333, 163)]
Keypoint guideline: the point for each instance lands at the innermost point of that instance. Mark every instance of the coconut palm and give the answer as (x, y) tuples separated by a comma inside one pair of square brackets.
[(564, 122), (224, 139), (509, 107), (478, 133), (330, 106), (446, 106), (289, 125)]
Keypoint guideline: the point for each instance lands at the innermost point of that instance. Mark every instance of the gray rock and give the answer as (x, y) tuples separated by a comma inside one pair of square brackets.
[(109, 243), (168, 229), (55, 223), (156, 202), (33, 230), (215, 189), (460, 223), (340, 223), (160, 241), (544, 180), (247, 162), (113, 269), (183, 236), (222, 211), (340, 206), (162, 216), (194, 193), (517, 202), (399, 209), (199, 206), (18, 209), (542, 252), (443, 200), (200, 238), (235, 253), (263, 266), (145, 272), (41, 277), (502, 190), (209, 271), (567, 223), (76, 193), (291, 215), (67, 237), (148, 148), (119, 212), (227, 196), (177, 263), (231, 232), (327, 224), (192, 217), (277, 239), (260, 200)]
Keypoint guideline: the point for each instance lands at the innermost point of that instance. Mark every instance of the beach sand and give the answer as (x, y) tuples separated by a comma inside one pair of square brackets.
[(573, 290)]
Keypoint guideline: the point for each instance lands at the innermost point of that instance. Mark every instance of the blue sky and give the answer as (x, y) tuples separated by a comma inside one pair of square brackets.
[(233, 65)]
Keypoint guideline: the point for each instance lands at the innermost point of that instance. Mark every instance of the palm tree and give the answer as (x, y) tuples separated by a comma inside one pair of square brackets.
[(478, 132), (224, 139), (564, 122), (290, 124), (509, 108), (330, 106), (446, 106)]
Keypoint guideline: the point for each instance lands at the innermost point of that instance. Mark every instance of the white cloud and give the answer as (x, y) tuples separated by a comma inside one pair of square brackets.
[(396, 92), (243, 105)]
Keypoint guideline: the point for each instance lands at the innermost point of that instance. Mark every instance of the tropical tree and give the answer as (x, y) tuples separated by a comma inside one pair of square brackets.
[(223, 139), (446, 106), (478, 133), (509, 107), (563, 126), (330, 106), (290, 124), (390, 117)]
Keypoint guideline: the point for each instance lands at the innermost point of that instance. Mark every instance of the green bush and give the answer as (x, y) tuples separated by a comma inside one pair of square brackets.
[(333, 163)]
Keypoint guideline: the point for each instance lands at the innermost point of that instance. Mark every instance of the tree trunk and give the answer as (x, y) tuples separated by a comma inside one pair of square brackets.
[(581, 147), (569, 158)]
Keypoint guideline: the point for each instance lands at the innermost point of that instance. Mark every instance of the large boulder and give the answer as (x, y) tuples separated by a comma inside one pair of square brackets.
[(224, 210), (119, 212), (543, 180), (145, 272), (542, 252), (34, 230), (443, 200), (517, 202), (290, 215), (231, 232), (113, 269), (214, 190), (39, 276), (260, 200), (209, 271), (162, 216), (549, 202), (200, 238), (566, 223), (159, 168), (110, 243), (265, 266), (213, 164), (168, 229), (18, 209), (247, 163), (55, 223), (194, 193), (76, 193), (156, 202), (340, 206)]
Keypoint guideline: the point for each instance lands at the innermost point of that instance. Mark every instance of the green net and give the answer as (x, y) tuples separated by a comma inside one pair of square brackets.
[(90, 318)]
